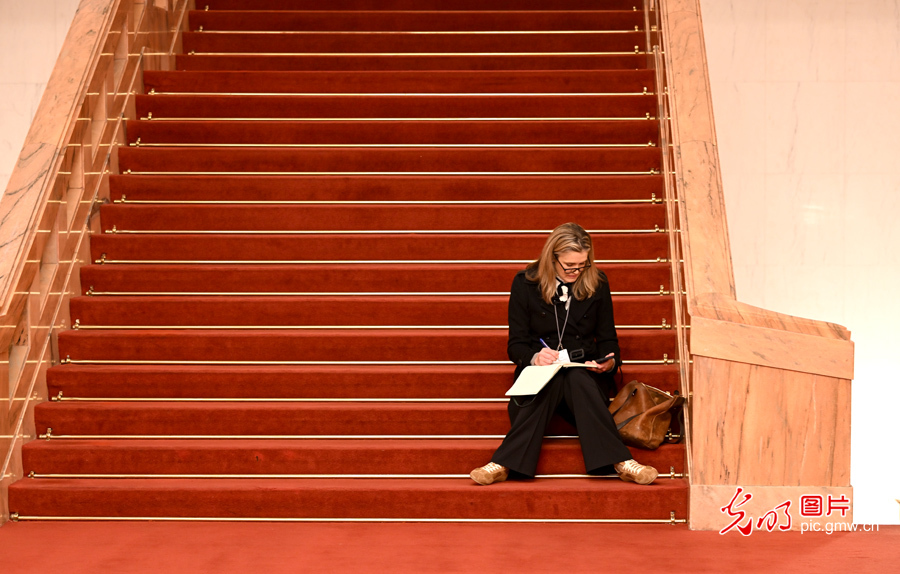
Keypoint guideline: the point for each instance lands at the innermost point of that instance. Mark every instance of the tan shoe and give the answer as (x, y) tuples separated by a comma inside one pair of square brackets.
[(489, 473), (632, 471)]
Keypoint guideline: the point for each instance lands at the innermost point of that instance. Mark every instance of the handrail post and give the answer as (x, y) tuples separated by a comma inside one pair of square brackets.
[(53, 196)]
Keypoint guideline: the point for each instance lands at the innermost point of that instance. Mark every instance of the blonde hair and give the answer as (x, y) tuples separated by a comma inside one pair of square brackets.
[(565, 238)]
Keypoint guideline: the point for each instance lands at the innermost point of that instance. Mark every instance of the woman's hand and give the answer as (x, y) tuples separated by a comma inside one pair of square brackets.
[(603, 365), (547, 356)]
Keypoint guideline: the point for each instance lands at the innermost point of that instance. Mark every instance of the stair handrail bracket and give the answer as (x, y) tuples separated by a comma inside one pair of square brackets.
[(50, 205), (770, 393)]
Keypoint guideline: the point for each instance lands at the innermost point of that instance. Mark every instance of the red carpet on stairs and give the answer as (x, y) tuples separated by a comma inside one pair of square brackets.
[(297, 305)]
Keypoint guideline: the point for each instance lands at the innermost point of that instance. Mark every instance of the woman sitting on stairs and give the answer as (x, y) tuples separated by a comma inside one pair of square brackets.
[(561, 302)]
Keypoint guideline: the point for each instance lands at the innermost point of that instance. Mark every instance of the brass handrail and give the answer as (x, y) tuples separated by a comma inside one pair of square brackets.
[(62, 173)]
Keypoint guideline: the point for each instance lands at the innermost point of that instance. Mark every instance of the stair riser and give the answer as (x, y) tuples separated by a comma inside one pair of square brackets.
[(308, 382), (257, 457), (278, 419), (321, 345), (460, 247), (358, 278), (418, 5), (430, 498), (399, 63), (376, 218), (437, 106), (389, 43), (406, 21), (398, 81), (310, 133), (386, 188), (647, 311), (388, 160)]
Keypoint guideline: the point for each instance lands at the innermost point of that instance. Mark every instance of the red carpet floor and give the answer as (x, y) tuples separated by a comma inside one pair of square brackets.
[(74, 548)]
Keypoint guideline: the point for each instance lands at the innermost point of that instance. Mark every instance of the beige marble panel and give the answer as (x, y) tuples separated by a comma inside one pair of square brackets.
[(808, 291), (805, 219), (750, 281), (747, 212), (18, 102), (872, 127), (805, 41), (709, 506), (872, 49), (873, 202), (804, 124), (737, 30), (742, 105), (771, 347), (37, 25), (768, 426)]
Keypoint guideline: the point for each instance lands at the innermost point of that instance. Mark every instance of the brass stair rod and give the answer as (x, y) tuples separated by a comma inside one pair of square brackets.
[(150, 117), (92, 292), (391, 173), (125, 200), (412, 54), (116, 231), (104, 260), (646, 92), (37, 476), (16, 517), (79, 327), (69, 361)]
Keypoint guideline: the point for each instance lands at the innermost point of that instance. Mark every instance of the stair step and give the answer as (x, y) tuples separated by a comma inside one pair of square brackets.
[(200, 62), (373, 133), (544, 218), (368, 278), (346, 381), (305, 311), (517, 188), (201, 42), (588, 498), (404, 21), (512, 248), (429, 345), (277, 419), (419, 5), (402, 81), (248, 456), (537, 106)]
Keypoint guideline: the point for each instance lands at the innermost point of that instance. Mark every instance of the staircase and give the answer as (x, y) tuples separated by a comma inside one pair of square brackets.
[(297, 306)]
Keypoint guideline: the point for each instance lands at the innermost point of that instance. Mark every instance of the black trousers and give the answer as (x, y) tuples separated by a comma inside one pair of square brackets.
[(575, 394)]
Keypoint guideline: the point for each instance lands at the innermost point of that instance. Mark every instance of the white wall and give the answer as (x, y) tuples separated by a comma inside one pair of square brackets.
[(806, 96), (31, 35)]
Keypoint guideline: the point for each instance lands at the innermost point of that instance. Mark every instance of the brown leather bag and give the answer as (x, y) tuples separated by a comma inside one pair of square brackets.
[(643, 414)]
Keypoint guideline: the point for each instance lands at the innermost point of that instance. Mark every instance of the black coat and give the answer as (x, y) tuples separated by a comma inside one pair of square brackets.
[(591, 325)]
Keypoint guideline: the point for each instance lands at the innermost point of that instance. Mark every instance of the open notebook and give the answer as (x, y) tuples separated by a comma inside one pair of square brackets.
[(532, 379)]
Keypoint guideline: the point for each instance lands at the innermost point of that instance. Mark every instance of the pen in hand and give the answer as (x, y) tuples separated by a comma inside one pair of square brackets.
[(547, 355)]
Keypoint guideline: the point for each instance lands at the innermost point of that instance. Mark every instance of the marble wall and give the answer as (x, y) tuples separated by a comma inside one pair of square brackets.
[(805, 95), (31, 35)]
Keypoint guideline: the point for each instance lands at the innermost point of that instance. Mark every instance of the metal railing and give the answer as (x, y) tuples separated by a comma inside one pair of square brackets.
[(52, 201)]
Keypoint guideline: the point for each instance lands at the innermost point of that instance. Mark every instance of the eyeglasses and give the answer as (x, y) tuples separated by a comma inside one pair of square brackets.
[(572, 269)]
